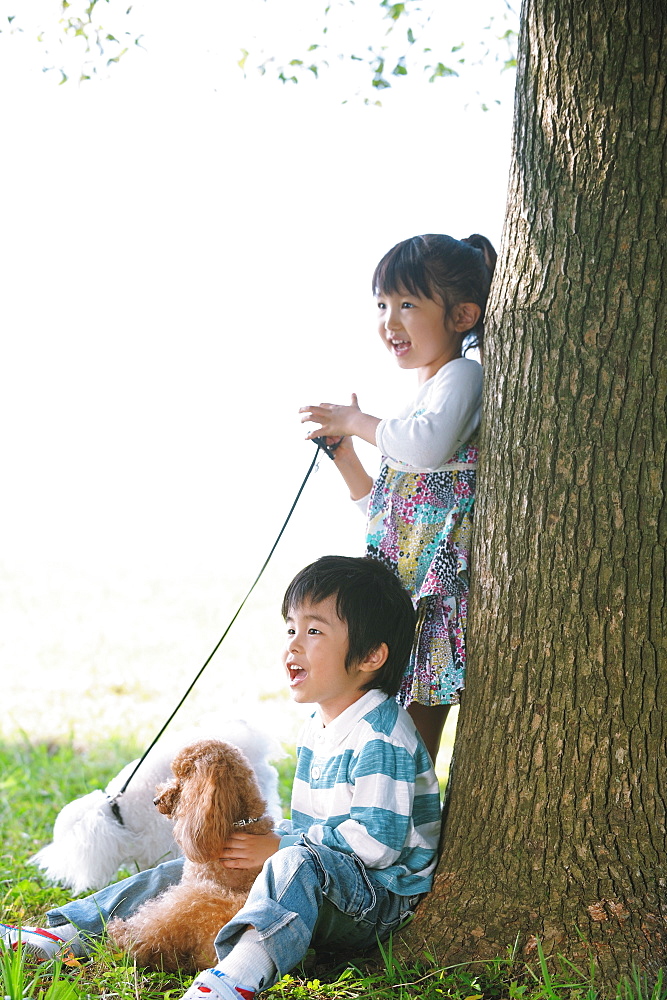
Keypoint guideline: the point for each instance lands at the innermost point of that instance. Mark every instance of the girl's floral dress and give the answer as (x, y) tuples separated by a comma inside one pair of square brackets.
[(419, 525)]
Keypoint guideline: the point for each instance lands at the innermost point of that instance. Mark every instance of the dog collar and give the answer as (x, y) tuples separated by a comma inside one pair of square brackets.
[(247, 822)]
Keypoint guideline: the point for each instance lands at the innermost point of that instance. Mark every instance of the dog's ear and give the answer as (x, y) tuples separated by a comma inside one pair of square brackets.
[(203, 824), (217, 793)]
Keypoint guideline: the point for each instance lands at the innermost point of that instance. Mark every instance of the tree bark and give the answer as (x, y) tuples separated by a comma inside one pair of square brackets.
[(555, 827)]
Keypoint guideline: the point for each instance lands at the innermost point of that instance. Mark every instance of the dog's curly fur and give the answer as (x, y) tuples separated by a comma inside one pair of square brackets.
[(89, 844), (214, 788)]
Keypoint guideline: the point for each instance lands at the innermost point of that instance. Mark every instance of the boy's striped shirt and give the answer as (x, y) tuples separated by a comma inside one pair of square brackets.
[(365, 785)]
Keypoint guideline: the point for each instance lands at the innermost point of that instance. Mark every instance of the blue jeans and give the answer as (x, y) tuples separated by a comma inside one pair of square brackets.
[(121, 899), (305, 894)]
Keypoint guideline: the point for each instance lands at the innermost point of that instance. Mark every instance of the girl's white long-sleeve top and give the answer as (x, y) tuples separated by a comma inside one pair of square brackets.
[(444, 415)]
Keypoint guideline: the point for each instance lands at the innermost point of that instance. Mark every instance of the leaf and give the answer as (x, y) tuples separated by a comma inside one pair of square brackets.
[(395, 11), (439, 71), (116, 59)]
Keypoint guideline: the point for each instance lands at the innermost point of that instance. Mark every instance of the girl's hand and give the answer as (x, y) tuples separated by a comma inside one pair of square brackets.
[(339, 421), (343, 448), (243, 850), (334, 421)]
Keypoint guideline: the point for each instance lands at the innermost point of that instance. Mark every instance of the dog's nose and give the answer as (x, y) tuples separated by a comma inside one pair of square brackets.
[(156, 800)]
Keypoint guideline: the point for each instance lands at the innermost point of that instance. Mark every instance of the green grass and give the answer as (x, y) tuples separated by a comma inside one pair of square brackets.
[(38, 779)]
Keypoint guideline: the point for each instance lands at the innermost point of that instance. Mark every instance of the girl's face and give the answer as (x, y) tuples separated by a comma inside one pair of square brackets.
[(417, 332)]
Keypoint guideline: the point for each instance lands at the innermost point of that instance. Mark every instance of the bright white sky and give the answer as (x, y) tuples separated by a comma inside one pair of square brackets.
[(186, 258)]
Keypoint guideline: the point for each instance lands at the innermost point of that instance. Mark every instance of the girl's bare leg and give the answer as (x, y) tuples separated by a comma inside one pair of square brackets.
[(430, 722)]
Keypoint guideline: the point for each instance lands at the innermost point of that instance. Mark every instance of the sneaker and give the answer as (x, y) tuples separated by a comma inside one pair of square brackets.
[(211, 984), (39, 944)]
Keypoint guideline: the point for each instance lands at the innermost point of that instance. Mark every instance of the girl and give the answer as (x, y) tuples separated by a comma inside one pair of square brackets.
[(431, 292)]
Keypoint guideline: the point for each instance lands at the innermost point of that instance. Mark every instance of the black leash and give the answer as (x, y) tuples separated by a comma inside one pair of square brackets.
[(328, 450)]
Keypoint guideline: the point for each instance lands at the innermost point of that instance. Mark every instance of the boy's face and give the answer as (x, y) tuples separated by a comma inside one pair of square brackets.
[(314, 658)]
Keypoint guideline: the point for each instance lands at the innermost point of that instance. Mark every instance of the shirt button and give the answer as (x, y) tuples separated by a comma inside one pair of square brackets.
[(320, 737), (315, 773)]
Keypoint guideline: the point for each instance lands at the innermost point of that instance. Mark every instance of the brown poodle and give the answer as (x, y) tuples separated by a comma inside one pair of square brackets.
[(214, 792)]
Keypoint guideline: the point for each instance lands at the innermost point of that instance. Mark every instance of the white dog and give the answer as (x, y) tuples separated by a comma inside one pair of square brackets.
[(90, 844)]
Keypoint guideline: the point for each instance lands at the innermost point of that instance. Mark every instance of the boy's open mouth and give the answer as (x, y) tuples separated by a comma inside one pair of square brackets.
[(296, 674)]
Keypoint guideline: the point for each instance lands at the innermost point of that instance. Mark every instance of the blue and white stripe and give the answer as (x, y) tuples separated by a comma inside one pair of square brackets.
[(365, 785)]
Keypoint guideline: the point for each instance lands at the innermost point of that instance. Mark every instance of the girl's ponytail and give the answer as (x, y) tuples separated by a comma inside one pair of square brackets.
[(480, 242), (475, 337)]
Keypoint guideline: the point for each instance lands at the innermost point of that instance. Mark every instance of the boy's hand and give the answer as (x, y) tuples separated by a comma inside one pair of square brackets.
[(243, 850)]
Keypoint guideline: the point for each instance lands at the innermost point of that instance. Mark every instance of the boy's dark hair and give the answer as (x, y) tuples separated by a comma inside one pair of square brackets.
[(372, 603), (439, 266)]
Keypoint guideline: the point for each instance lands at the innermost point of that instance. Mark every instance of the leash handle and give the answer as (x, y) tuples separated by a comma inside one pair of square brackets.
[(321, 446), (328, 449)]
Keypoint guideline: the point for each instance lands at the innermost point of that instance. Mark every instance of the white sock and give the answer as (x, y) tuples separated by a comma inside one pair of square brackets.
[(70, 935), (249, 963)]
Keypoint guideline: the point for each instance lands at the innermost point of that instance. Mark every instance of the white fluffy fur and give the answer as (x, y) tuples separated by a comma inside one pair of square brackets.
[(90, 845)]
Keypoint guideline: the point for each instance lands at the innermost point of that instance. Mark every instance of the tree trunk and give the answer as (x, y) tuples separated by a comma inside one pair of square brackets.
[(556, 822)]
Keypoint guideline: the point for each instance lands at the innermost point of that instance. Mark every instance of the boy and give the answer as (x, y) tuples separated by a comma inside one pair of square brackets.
[(361, 846)]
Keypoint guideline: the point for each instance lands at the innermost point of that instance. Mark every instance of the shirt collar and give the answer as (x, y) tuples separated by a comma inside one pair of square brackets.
[(344, 723)]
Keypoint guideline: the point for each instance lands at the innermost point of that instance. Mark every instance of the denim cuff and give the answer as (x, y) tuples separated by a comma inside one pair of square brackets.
[(282, 933)]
